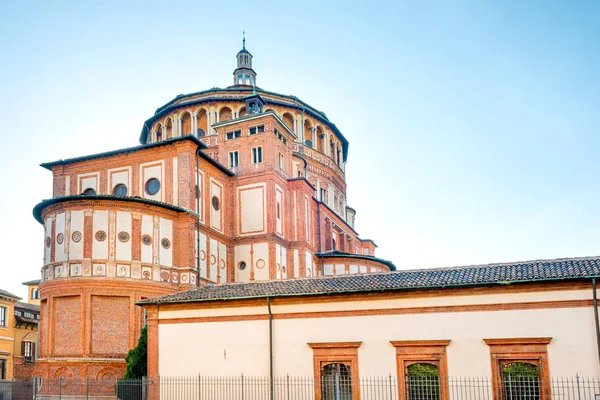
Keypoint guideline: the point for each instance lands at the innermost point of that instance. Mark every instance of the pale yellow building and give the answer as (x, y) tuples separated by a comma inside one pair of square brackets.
[(7, 340), (33, 292)]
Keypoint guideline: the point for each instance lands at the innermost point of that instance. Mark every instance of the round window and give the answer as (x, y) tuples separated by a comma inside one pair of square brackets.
[(89, 192), (152, 186), (215, 202), (242, 265), (120, 190)]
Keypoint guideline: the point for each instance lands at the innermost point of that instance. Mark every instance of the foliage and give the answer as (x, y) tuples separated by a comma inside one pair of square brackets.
[(137, 359)]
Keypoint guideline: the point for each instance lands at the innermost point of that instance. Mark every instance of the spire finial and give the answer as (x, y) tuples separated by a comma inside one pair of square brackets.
[(244, 39)]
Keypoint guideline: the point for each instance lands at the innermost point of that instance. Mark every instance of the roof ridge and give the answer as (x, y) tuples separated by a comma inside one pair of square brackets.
[(502, 264)]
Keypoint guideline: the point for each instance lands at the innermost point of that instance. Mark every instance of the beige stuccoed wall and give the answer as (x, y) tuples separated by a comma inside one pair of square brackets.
[(232, 348)]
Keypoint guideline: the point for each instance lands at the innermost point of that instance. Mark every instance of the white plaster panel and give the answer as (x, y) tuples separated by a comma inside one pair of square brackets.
[(242, 253), (147, 229), (251, 208), (281, 262), (48, 234), (123, 224), (328, 269), (261, 261), (340, 269), (119, 176), (200, 198), (100, 223), (213, 259), (76, 248), (203, 256), (216, 190), (88, 181), (59, 251), (222, 278), (67, 185), (309, 265), (166, 232), (151, 170)]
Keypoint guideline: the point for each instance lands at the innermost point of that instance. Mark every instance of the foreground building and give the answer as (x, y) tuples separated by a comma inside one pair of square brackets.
[(227, 185), (7, 331), (481, 321), (18, 333)]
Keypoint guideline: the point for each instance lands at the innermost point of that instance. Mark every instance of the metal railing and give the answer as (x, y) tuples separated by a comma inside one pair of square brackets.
[(303, 388)]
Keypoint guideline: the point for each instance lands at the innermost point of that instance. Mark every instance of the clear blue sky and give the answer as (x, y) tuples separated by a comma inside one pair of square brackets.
[(474, 126)]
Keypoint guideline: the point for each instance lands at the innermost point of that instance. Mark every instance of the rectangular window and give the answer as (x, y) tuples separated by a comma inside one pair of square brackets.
[(240, 80), (281, 164), (28, 352), (2, 316), (335, 367), (323, 195), (520, 368), (257, 129), (234, 135), (2, 368), (234, 159), (257, 155), (421, 364)]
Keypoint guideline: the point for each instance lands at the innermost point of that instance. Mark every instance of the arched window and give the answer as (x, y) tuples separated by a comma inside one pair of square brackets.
[(289, 120), (158, 132), (308, 133), (336, 382), (89, 192), (320, 138), (422, 381), (225, 114), (169, 129), (201, 123), (520, 380), (186, 124)]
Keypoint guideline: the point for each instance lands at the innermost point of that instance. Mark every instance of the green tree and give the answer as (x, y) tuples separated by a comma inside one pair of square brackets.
[(137, 358)]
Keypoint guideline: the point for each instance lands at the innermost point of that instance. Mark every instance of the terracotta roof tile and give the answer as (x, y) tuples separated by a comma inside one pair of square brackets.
[(477, 275)]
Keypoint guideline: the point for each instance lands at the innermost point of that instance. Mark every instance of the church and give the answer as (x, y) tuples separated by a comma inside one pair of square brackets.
[(226, 185), (227, 231)]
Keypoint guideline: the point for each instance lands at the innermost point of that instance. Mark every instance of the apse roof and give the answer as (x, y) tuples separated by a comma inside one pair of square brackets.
[(221, 167), (40, 207), (562, 269), (337, 253)]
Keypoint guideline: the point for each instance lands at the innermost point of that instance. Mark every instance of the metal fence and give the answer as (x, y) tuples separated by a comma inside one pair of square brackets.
[(303, 388)]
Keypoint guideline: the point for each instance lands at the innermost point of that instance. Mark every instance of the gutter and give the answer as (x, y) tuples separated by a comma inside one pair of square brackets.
[(271, 366), (596, 316), (319, 233), (198, 216)]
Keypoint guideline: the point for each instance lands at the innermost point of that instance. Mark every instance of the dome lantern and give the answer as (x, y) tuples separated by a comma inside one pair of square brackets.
[(244, 75)]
